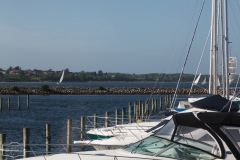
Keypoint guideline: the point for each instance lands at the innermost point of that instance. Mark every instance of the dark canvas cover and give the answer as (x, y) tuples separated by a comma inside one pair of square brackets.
[(216, 102)]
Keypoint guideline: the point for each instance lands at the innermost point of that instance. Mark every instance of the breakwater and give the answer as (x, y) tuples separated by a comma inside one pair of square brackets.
[(7, 90)]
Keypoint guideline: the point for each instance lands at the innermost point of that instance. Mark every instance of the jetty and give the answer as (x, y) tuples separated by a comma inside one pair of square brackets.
[(23, 90)]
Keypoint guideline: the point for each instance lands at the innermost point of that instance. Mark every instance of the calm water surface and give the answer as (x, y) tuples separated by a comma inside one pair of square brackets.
[(108, 84), (56, 109), (97, 84)]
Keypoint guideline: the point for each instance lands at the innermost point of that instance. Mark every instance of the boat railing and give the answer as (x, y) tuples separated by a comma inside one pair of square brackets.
[(15, 150), (101, 130)]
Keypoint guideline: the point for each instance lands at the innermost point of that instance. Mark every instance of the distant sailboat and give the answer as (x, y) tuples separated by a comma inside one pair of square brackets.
[(218, 82), (196, 80), (204, 81), (61, 79)]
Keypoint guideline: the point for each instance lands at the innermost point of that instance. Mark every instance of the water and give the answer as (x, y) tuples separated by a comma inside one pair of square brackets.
[(108, 84), (97, 84), (56, 109)]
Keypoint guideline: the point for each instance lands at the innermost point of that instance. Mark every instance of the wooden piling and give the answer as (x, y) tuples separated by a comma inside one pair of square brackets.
[(152, 105), (129, 112), (146, 108), (48, 138), (165, 103), (161, 107), (170, 99), (9, 103), (82, 128), (137, 110), (95, 120), (123, 113), (134, 109), (106, 119), (2, 142), (69, 135), (116, 118), (26, 147), (18, 102), (27, 101), (155, 102), (143, 110), (130, 119), (0, 104)]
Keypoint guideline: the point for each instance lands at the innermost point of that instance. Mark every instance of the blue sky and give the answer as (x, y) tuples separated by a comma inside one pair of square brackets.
[(128, 36)]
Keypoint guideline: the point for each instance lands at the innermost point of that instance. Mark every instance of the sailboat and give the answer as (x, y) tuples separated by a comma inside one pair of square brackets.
[(228, 63), (204, 81), (61, 79), (196, 81)]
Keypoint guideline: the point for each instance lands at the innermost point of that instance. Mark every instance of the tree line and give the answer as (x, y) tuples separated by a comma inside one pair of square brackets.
[(16, 74)]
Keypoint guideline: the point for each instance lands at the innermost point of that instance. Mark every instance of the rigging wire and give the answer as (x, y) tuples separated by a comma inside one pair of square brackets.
[(237, 5), (180, 77), (173, 53), (232, 28), (187, 37), (236, 84), (200, 59), (178, 43), (170, 46), (180, 20)]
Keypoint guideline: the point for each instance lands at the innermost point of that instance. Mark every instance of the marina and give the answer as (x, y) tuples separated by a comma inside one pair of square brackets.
[(127, 120), (64, 107)]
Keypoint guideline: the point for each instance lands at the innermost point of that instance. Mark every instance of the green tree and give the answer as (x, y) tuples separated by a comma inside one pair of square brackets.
[(17, 68), (10, 68), (21, 73), (100, 73)]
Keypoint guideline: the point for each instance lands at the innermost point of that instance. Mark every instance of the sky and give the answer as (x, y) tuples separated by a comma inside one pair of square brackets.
[(127, 36)]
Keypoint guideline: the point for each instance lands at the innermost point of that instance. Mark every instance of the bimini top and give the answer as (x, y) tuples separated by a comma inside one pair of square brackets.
[(199, 135), (216, 102), (224, 124), (210, 118)]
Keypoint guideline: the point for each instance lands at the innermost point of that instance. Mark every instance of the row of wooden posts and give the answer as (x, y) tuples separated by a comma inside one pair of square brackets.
[(26, 147), (134, 112), (9, 103)]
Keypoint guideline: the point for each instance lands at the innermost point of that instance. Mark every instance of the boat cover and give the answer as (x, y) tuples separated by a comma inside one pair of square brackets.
[(162, 123), (216, 118), (216, 102), (212, 121)]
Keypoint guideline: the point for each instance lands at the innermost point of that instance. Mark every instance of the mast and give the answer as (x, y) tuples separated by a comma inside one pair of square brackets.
[(222, 49), (226, 48), (213, 52)]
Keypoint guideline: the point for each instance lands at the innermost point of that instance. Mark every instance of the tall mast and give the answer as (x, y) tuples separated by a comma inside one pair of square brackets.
[(222, 48), (213, 52), (226, 48)]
